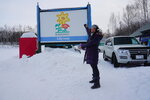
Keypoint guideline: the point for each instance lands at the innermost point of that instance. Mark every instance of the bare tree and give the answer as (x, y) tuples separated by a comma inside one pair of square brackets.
[(134, 16), (11, 35), (129, 16), (143, 7), (112, 23)]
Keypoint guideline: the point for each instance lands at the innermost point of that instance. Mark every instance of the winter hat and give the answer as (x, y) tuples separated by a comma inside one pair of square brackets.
[(97, 28), (94, 26)]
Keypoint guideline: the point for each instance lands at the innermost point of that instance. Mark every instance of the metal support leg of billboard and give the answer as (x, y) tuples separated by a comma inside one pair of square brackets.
[(38, 28)]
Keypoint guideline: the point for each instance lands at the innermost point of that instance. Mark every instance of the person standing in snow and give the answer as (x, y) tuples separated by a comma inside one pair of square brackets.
[(92, 52)]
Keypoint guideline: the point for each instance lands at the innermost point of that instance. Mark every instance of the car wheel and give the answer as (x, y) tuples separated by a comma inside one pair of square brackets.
[(104, 56), (115, 62)]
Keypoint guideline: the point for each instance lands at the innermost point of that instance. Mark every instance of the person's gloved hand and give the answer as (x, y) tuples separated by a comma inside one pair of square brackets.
[(85, 25)]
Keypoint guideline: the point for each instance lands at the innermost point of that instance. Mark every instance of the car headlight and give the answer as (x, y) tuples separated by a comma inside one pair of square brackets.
[(123, 52)]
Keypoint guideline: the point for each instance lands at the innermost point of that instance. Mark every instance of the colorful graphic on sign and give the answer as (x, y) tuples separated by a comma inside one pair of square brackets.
[(62, 26)]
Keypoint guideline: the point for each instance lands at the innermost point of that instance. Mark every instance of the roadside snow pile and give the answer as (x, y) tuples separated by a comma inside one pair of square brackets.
[(59, 74)]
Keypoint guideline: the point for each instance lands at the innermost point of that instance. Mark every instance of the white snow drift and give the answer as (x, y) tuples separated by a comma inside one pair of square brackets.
[(59, 74)]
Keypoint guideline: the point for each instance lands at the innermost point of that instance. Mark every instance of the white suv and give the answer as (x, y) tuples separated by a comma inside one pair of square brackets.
[(125, 49)]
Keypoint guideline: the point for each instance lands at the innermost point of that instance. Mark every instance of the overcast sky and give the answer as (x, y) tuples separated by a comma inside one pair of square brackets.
[(23, 12)]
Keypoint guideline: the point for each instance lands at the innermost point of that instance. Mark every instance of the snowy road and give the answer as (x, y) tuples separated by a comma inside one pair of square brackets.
[(59, 74)]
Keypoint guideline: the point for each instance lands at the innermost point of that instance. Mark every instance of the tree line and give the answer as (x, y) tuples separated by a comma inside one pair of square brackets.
[(135, 15), (11, 35)]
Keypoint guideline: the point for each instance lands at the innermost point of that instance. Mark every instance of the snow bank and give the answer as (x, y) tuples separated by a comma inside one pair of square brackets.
[(59, 74)]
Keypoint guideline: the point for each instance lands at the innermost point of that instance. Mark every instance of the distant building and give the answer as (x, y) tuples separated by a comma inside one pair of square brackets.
[(143, 34)]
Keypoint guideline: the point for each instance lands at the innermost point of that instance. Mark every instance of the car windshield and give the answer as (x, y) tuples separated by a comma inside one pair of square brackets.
[(125, 40)]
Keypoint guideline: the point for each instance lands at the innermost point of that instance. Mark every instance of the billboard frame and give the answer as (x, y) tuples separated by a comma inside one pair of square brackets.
[(39, 10)]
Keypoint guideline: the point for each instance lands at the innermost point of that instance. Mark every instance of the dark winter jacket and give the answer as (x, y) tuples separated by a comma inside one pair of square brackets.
[(92, 52)]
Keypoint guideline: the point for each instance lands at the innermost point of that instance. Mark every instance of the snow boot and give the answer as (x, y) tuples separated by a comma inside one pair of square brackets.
[(93, 79), (96, 84)]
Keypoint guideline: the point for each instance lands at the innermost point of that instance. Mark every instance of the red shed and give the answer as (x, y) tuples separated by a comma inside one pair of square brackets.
[(27, 44)]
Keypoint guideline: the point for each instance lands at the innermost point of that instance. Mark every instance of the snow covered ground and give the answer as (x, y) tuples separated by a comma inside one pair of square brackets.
[(59, 74)]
